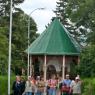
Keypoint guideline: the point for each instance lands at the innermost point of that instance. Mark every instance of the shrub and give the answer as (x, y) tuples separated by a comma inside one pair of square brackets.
[(88, 87), (4, 84)]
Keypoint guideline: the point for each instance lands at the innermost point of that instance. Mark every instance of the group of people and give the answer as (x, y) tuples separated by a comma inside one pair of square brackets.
[(52, 86)]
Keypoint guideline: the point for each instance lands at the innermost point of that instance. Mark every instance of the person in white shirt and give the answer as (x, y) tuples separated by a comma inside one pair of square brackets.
[(76, 86), (30, 87)]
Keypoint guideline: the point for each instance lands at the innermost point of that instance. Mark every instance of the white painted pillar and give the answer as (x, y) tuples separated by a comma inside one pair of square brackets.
[(78, 60), (30, 65), (45, 68), (10, 49), (63, 68)]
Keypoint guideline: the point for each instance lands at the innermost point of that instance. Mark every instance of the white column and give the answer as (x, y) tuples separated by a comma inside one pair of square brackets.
[(28, 61), (30, 65), (63, 68), (10, 50), (78, 60), (45, 68)]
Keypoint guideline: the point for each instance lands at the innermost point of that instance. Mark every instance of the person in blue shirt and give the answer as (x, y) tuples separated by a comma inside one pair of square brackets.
[(67, 81), (66, 86)]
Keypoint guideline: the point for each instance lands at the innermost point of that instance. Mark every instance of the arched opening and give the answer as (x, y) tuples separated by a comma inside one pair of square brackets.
[(50, 71)]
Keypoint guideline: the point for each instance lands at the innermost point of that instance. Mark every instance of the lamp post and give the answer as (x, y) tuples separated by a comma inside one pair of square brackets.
[(29, 36), (10, 38)]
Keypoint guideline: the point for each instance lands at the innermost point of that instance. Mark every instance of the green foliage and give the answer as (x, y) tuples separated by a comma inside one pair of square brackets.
[(81, 16), (82, 13), (88, 86), (4, 84), (63, 11), (3, 51), (5, 6), (19, 36), (91, 38), (86, 68)]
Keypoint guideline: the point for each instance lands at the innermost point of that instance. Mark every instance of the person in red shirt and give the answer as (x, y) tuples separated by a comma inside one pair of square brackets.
[(52, 83)]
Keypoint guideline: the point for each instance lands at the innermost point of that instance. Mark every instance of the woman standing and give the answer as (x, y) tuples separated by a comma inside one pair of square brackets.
[(52, 84), (40, 86), (30, 87)]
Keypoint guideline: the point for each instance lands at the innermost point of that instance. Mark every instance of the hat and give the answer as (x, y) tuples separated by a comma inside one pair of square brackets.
[(77, 78)]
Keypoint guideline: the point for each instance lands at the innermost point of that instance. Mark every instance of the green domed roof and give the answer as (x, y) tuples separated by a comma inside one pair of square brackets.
[(55, 40)]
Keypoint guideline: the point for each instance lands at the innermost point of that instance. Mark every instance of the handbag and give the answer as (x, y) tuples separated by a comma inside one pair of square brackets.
[(65, 89)]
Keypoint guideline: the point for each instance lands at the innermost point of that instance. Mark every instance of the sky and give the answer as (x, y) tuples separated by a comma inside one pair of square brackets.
[(41, 17)]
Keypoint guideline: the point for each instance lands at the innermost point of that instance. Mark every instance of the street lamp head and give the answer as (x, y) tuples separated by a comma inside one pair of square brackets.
[(36, 9), (41, 8)]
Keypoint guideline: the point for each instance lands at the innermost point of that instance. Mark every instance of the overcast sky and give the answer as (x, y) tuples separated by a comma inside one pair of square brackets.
[(41, 17)]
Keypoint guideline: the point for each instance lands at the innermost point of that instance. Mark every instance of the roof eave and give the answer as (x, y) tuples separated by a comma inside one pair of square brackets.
[(70, 54)]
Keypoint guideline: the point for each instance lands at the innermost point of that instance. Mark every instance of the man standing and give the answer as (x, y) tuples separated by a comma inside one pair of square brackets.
[(17, 86), (66, 86), (76, 86)]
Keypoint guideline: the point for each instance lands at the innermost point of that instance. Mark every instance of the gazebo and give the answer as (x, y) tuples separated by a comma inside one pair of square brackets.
[(55, 50)]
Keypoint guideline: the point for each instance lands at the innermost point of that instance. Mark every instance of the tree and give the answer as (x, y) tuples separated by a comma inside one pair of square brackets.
[(82, 13), (79, 15), (19, 35), (86, 68), (61, 11), (19, 38), (91, 38), (3, 51), (5, 6), (63, 14)]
